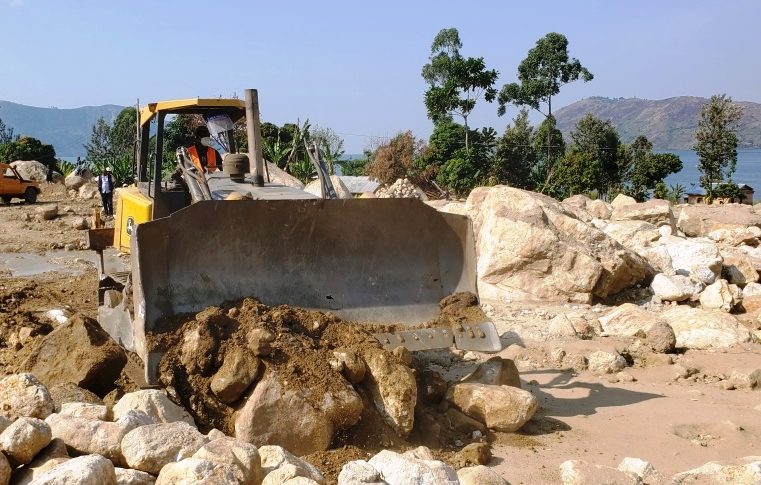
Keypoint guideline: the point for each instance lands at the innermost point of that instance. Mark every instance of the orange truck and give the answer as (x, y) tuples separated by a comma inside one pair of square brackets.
[(13, 186)]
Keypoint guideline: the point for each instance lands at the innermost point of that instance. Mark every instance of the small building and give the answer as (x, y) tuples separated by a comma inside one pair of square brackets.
[(697, 196), (359, 185)]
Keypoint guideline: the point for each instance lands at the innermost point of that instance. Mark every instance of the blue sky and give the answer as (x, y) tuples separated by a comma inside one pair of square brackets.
[(355, 66)]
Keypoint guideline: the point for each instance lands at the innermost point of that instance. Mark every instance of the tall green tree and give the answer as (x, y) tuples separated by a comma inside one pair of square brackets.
[(515, 158), (549, 147), (545, 69), (6, 133), (455, 82), (716, 141), (99, 149), (28, 148), (123, 134), (469, 168), (600, 143), (644, 170)]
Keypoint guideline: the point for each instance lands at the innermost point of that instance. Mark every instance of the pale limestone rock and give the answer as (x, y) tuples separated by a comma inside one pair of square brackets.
[(128, 476), (654, 211), (91, 436), (532, 247), (739, 269), (399, 469), (635, 235), (628, 320), (479, 475), (701, 219), (155, 404), (359, 472), (745, 471), (671, 288), (703, 329), (274, 457), (23, 395), (84, 410), (719, 296), (83, 470), (602, 362), (281, 177), (497, 371), (26, 474), (274, 415), (393, 389), (46, 212), (580, 472), (31, 170), (242, 458), (745, 378), (752, 289), (74, 181), (699, 259), (622, 200), (192, 471), (643, 470), (503, 408), (149, 448), (352, 366), (24, 438)]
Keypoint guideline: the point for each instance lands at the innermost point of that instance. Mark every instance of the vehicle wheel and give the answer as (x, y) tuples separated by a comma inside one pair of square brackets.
[(7, 200), (30, 196)]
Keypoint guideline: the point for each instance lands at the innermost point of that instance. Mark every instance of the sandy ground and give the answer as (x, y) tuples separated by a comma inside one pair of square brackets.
[(674, 424)]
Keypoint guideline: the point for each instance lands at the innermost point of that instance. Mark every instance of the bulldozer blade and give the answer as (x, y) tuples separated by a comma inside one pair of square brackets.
[(382, 261)]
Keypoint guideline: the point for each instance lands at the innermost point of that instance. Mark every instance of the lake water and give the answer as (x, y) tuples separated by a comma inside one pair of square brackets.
[(748, 170)]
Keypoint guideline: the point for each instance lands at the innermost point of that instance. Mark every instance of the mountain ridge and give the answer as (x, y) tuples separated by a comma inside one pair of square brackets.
[(668, 123), (67, 129)]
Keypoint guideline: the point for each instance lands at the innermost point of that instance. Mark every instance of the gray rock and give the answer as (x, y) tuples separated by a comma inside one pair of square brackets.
[(23, 439), (23, 395), (83, 470), (149, 448)]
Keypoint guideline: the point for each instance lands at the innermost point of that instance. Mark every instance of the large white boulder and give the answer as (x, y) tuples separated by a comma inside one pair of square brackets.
[(24, 438), (702, 219), (149, 448), (629, 320), (587, 209), (74, 180), (276, 457), (83, 470), (402, 469), (31, 170), (241, 458), (744, 471), (698, 258), (635, 235), (530, 246), (655, 211), (479, 475), (703, 329), (580, 472), (24, 395), (192, 471), (674, 287), (281, 177), (393, 389), (155, 404), (503, 408), (622, 200), (720, 296)]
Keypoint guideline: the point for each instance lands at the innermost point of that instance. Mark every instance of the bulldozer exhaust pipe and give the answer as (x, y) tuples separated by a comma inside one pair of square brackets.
[(254, 135)]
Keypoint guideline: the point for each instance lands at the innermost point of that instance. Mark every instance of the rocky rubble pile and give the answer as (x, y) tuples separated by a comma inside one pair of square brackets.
[(81, 185), (308, 381), (401, 189)]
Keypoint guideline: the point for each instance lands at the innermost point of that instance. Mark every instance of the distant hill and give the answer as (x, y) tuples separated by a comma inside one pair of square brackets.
[(66, 129), (667, 123)]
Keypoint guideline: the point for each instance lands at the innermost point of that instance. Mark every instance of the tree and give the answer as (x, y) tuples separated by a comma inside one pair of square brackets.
[(549, 147), (599, 141), (123, 135), (455, 83), (99, 150), (354, 166), (330, 144), (6, 133), (28, 148), (396, 159), (515, 158), (545, 69), (645, 170), (716, 141), (469, 168)]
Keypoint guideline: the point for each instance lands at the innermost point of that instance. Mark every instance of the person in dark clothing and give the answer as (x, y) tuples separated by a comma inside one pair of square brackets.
[(106, 189)]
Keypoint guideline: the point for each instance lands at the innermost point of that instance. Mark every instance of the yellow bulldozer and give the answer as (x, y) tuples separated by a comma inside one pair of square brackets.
[(384, 261)]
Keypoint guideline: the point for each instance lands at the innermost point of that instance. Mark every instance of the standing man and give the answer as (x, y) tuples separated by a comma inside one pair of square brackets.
[(106, 189)]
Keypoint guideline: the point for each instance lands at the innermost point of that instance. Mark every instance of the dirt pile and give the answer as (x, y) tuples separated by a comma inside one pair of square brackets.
[(369, 396)]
